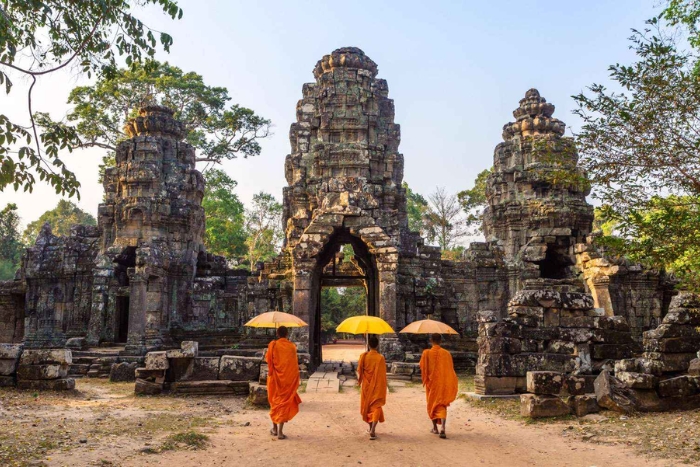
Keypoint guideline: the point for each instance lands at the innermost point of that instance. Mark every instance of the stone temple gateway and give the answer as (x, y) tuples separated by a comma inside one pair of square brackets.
[(142, 279)]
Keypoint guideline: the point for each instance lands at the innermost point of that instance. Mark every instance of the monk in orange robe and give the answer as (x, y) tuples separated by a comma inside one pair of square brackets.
[(371, 375), (440, 381), (282, 381)]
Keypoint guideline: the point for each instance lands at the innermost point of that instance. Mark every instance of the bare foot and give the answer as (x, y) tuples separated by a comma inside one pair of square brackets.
[(434, 431), (282, 436), (372, 436), (273, 432), (443, 435)]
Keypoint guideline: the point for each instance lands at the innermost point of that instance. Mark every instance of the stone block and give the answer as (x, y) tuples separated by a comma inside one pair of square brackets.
[(147, 388), (44, 356), (8, 381), (405, 369), (681, 386), (544, 382), (499, 385), (257, 394), (8, 367), (208, 388), (694, 367), (10, 351), (157, 361), (123, 372), (37, 372), (157, 376), (636, 380), (671, 362), (578, 385), (239, 368), (204, 369), (615, 323), (190, 348), (613, 395), (561, 347), (63, 384), (540, 406), (610, 351), (263, 374), (77, 343), (583, 404), (627, 364)]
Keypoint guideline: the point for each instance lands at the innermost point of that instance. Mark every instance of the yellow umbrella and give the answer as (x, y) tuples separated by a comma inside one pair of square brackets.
[(428, 326), (364, 325), (275, 319)]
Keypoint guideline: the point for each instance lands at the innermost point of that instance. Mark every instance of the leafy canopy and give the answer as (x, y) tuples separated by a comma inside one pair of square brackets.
[(65, 215), (473, 202), (216, 129), (225, 232), (40, 37), (417, 208), (11, 246), (263, 228)]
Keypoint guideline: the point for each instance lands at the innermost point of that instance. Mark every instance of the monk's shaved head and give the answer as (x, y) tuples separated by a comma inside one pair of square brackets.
[(436, 338), (373, 342), (282, 331)]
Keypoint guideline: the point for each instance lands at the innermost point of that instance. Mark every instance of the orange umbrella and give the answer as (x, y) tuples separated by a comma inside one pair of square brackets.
[(275, 319), (428, 326)]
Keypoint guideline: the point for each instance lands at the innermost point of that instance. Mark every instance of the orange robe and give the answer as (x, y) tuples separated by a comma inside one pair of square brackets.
[(371, 374), (439, 379), (282, 380)]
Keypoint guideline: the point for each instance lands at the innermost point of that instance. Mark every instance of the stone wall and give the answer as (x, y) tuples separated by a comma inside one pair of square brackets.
[(12, 311)]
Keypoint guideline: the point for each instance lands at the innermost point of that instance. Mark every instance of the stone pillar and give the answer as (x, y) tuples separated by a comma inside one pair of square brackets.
[(304, 307), (136, 340)]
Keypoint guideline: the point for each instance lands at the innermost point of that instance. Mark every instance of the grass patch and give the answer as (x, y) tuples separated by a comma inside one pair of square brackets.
[(185, 440)]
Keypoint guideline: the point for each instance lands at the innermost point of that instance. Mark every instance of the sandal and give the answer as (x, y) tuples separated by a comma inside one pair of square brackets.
[(443, 435), (372, 437), (282, 437)]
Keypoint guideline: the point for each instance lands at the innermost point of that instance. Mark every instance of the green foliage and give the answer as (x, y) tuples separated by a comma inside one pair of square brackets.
[(337, 304), (217, 132), (87, 35), (263, 228), (65, 215), (641, 147), (225, 232), (473, 202), (417, 208), (11, 246)]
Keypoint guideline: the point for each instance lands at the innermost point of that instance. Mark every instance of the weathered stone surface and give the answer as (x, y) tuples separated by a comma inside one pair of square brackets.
[(540, 406), (44, 356), (405, 369), (204, 369), (8, 367), (612, 394), (147, 388), (263, 374), (49, 371), (63, 384), (157, 376), (499, 385), (578, 385), (239, 368), (544, 382), (583, 404), (216, 387), (8, 381), (693, 367), (680, 386), (10, 351), (636, 380), (77, 343), (157, 361), (123, 372), (258, 394)]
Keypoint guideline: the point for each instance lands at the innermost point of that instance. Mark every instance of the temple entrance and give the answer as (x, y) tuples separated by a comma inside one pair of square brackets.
[(346, 284), (122, 307)]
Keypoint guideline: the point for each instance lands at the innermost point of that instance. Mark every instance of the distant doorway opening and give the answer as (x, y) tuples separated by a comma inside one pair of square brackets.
[(122, 306), (337, 304)]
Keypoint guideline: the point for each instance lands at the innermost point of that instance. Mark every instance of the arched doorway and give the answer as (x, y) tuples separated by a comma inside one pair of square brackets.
[(376, 264)]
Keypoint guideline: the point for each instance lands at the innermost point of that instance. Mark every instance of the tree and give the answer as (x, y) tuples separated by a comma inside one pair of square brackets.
[(473, 202), (416, 208), (217, 132), (61, 218), (263, 228), (41, 37), (340, 303), (10, 245), (445, 222), (225, 232)]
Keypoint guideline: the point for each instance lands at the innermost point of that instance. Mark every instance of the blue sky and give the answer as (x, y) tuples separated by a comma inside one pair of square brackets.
[(456, 71)]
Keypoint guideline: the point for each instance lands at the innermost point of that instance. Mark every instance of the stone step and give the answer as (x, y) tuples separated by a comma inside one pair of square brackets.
[(212, 387)]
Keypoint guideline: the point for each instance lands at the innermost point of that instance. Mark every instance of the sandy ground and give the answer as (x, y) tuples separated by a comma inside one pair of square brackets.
[(329, 431), (343, 352)]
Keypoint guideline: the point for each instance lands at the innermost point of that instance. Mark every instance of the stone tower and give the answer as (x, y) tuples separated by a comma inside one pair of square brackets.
[(537, 209), (152, 223)]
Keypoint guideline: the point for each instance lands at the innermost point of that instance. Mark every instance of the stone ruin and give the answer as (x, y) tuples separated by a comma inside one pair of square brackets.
[(536, 295)]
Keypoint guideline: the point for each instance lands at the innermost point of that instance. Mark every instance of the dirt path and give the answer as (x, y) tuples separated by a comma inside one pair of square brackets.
[(328, 431)]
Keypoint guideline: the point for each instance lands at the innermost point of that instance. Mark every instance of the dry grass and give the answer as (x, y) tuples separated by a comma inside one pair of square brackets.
[(673, 435)]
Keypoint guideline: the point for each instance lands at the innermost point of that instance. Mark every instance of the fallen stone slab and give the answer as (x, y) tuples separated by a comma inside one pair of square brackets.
[(63, 384), (123, 372), (44, 356), (36, 372), (544, 382), (694, 367), (405, 369), (613, 395), (541, 406), (239, 368), (147, 388), (215, 387), (681, 386), (157, 376), (157, 361), (578, 385), (583, 405)]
